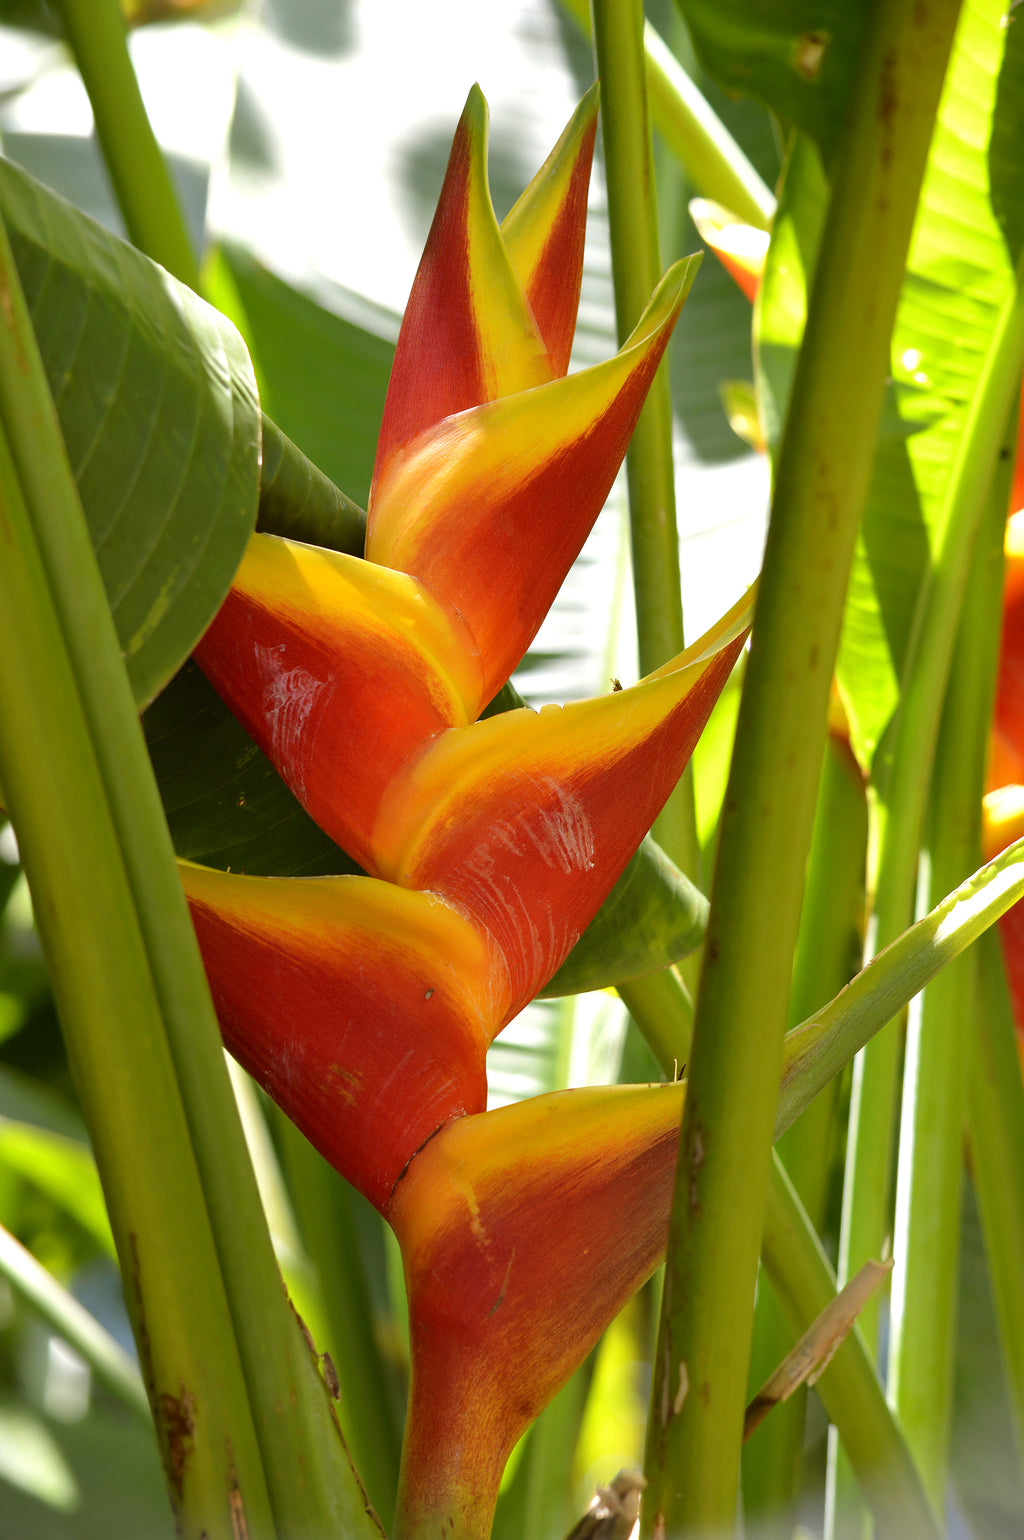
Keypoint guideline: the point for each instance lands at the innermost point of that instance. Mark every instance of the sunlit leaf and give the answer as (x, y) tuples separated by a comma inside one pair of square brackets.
[(961, 271)]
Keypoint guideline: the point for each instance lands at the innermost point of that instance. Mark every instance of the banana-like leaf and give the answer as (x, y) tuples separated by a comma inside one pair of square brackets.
[(157, 404), (960, 275), (797, 56), (961, 270)]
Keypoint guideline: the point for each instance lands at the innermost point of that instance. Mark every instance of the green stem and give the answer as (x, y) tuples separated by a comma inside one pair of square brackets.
[(86, 911), (279, 1372), (650, 470), (821, 486), (926, 1240), (71, 1321), (308, 1470), (804, 1284), (829, 944), (142, 182), (709, 154), (850, 1389), (995, 1094), (904, 774)]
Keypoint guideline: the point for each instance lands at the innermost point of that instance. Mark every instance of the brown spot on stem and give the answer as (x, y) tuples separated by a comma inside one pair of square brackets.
[(176, 1427), (330, 1376), (236, 1508)]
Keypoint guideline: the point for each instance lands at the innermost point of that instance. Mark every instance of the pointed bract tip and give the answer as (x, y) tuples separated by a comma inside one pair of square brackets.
[(741, 248)]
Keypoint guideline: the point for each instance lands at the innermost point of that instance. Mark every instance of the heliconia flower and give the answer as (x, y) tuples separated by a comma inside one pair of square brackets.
[(500, 841), (523, 1231), (365, 1005), (490, 473), (741, 248)]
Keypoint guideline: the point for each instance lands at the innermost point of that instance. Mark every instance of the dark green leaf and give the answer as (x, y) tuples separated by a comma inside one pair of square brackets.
[(226, 804), (322, 378), (297, 500), (796, 56), (158, 408)]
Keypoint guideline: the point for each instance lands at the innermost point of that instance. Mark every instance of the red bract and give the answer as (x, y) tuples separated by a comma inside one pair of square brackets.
[(523, 1231)]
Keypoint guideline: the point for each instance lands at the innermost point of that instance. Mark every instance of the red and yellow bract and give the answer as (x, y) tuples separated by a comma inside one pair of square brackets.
[(365, 1005)]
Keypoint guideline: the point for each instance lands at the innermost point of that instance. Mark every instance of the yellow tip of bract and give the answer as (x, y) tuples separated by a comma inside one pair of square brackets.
[(339, 669), (491, 508), (544, 232), (740, 248), (524, 821), (523, 1231)]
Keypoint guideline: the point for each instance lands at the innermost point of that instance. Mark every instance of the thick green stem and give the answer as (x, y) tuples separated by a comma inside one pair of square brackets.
[(804, 1284), (926, 1240), (308, 1470), (305, 1463), (708, 153), (61, 804), (823, 468), (650, 470), (830, 940), (904, 775), (142, 182)]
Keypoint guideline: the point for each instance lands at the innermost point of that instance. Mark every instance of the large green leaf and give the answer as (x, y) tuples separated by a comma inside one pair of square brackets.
[(960, 274), (158, 408), (960, 271), (796, 56)]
